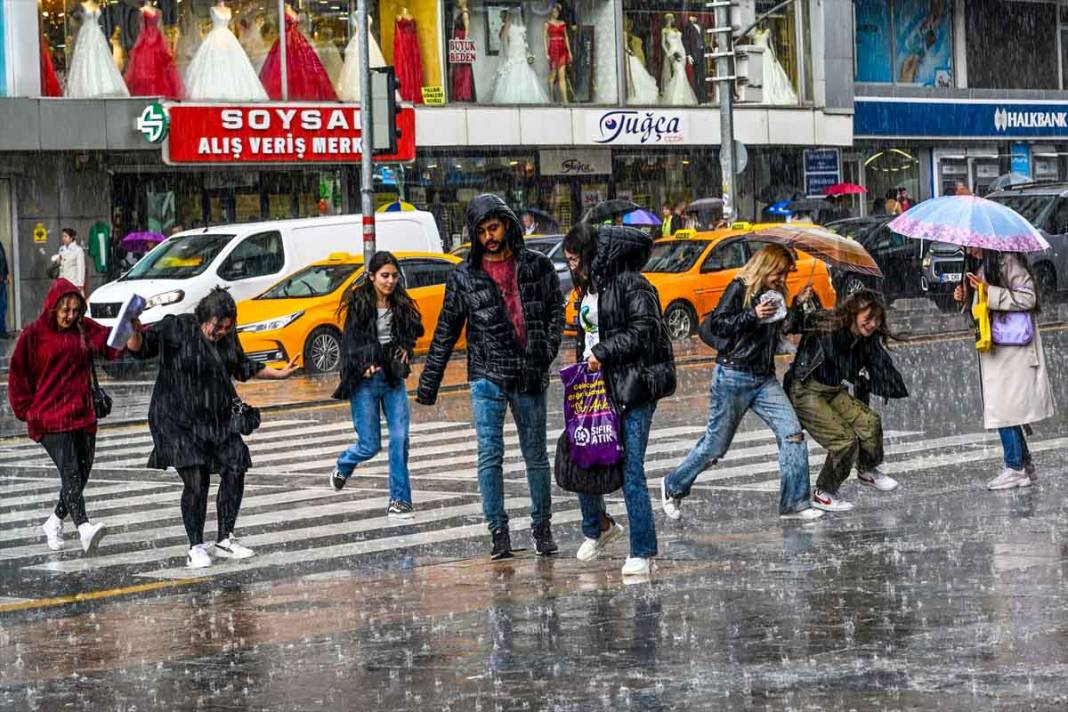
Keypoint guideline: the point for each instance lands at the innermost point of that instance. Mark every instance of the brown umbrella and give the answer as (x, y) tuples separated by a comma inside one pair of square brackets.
[(823, 244)]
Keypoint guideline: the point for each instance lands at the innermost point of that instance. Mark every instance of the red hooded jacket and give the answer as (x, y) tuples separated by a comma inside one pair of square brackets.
[(48, 378)]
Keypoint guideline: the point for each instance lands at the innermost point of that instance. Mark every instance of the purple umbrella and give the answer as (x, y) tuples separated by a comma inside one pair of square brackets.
[(970, 221), (141, 241), (641, 218)]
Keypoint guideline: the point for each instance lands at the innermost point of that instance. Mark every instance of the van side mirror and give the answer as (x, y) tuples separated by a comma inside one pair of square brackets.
[(234, 271)]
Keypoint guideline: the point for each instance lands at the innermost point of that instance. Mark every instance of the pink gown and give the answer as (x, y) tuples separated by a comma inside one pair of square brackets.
[(407, 61), (305, 74), (151, 70)]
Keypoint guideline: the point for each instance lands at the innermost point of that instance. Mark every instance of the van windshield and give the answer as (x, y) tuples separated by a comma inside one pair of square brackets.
[(180, 257), (314, 281)]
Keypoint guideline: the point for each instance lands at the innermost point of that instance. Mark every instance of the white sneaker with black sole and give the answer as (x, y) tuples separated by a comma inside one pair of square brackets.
[(91, 534), (875, 478), (829, 502), (400, 510), (53, 531), (805, 515), (229, 548), (670, 504), (592, 548), (198, 557)]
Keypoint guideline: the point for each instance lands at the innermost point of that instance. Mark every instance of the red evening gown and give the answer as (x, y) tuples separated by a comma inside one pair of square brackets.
[(305, 74), (151, 70), (559, 56), (407, 61), (462, 76), (49, 82)]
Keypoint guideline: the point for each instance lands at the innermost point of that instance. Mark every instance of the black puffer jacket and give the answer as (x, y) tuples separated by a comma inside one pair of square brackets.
[(634, 349), (472, 299), (360, 348), (741, 341), (874, 370)]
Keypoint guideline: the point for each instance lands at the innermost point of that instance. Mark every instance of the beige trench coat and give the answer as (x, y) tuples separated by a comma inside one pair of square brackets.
[(1016, 388)]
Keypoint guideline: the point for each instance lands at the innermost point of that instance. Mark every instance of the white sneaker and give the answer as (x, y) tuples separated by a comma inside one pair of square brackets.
[(807, 515), (592, 548), (829, 503), (875, 478), (638, 566), (1009, 479), (228, 548), (91, 534), (198, 557), (670, 504), (53, 531)]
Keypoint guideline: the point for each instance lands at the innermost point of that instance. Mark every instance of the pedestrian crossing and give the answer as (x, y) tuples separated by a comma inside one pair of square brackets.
[(291, 516)]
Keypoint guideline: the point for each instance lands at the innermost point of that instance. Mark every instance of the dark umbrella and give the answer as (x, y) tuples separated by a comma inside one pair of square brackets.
[(705, 205), (608, 209), (808, 205), (546, 222)]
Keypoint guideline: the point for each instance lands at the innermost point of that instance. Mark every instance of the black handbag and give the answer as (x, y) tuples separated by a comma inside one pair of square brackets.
[(101, 399), (244, 418), (572, 478)]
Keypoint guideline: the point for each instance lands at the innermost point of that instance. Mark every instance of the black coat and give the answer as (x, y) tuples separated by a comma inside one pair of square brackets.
[(874, 371), (742, 342), (472, 299), (694, 43), (634, 349), (189, 415), (360, 348)]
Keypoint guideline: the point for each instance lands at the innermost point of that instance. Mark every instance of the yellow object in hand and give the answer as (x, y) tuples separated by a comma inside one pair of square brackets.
[(981, 313)]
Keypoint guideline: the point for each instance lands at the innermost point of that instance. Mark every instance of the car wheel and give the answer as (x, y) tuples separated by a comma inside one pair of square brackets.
[(322, 350), (1046, 277), (853, 284), (680, 320)]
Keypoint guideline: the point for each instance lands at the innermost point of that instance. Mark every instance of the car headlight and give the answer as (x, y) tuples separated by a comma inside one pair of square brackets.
[(270, 324), (927, 262), (164, 298)]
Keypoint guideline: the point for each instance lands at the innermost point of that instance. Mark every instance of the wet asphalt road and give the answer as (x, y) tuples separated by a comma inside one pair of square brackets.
[(939, 595)]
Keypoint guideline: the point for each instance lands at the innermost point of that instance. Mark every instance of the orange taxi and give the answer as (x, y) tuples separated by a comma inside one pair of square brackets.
[(302, 315), (692, 270)]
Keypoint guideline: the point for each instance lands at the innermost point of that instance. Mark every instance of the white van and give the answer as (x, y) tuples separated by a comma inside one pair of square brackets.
[(248, 258)]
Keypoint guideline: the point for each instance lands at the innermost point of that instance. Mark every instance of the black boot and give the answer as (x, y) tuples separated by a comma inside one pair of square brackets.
[(502, 544), (542, 536)]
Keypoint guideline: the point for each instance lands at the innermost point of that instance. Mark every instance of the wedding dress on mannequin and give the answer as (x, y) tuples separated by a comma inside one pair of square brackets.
[(778, 89), (221, 70), (517, 83), (676, 86), (92, 70), (348, 84), (641, 85)]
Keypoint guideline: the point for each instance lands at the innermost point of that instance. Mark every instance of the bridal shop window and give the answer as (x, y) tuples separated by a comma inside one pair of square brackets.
[(544, 52), (911, 41), (668, 53), (774, 58)]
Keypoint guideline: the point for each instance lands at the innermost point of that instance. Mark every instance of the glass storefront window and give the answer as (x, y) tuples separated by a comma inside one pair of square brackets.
[(1011, 45), (531, 52), (908, 41), (890, 170), (668, 52), (772, 58), (655, 180)]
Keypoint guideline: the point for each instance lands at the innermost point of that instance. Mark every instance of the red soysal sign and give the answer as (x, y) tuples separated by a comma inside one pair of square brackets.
[(275, 133)]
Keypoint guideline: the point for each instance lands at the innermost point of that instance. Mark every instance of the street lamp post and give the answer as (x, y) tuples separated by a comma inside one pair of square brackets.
[(367, 188), (724, 55)]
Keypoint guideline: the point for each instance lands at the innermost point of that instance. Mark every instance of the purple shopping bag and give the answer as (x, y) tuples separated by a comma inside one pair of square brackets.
[(591, 423)]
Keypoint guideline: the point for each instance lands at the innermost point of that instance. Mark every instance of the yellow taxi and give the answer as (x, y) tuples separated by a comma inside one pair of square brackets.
[(692, 270), (302, 314)]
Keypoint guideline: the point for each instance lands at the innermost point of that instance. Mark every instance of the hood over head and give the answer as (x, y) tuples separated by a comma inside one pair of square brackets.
[(59, 289), (485, 206), (619, 249)]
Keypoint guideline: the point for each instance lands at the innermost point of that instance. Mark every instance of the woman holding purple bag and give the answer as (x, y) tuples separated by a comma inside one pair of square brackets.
[(1015, 385), (623, 336)]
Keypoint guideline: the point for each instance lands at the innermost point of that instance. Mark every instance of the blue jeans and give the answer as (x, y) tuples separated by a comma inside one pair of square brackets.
[(734, 393), (1013, 442), (372, 397), (488, 405), (635, 423), (3, 308)]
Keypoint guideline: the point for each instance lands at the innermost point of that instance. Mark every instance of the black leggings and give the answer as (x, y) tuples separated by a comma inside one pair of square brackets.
[(73, 454), (195, 501)]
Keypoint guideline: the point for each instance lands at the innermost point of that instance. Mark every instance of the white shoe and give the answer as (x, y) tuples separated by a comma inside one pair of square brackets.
[(670, 504), (875, 478), (53, 531), (808, 515), (91, 534), (592, 548), (1009, 479), (638, 566), (228, 548), (198, 557), (829, 503)]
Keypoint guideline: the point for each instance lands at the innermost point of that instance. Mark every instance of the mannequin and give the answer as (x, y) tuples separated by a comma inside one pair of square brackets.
[(150, 70), (461, 75), (252, 38), (329, 54), (118, 53), (92, 71), (516, 81), (777, 87), (306, 78), (557, 51), (348, 83), (693, 39), (675, 87), (641, 86), (407, 58), (220, 70)]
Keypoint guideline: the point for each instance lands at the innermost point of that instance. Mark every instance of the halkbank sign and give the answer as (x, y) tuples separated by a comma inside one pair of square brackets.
[(896, 117)]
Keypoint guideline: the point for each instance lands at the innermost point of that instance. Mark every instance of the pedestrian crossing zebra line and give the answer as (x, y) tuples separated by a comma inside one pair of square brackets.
[(90, 494)]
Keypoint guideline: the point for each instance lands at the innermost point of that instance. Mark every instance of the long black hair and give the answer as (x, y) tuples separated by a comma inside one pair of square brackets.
[(992, 272), (362, 301), (581, 240)]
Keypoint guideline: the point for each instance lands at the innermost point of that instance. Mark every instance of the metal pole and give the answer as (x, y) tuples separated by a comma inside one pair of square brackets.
[(282, 48), (367, 187), (724, 55)]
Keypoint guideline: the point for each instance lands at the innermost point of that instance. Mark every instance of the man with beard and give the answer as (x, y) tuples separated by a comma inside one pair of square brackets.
[(509, 298)]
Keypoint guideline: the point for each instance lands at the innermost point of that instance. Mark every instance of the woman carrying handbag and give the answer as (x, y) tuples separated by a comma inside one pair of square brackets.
[(622, 335)]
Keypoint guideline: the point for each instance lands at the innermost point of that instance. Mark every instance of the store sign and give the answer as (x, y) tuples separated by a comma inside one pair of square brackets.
[(893, 118), (152, 123), (575, 162), (1020, 158), (633, 127), (462, 51), (275, 133), (822, 170)]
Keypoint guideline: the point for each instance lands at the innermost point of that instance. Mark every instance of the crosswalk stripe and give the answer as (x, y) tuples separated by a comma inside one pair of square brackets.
[(91, 494)]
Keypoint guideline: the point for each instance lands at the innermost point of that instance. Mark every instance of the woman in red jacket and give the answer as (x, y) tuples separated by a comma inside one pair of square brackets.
[(48, 386)]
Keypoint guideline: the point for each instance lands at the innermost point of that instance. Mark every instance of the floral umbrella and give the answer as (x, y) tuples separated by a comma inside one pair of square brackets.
[(970, 221)]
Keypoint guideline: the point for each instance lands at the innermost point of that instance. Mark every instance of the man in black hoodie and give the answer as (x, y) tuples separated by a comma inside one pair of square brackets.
[(509, 299)]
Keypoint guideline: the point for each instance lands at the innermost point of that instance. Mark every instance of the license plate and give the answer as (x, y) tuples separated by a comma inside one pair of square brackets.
[(949, 277)]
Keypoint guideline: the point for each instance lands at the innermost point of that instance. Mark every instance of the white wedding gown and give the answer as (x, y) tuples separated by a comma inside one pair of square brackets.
[(348, 83), (641, 86), (330, 57), (92, 68), (221, 70), (252, 41), (676, 87), (778, 89), (517, 82)]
